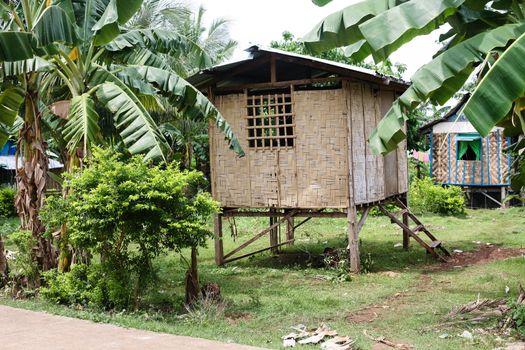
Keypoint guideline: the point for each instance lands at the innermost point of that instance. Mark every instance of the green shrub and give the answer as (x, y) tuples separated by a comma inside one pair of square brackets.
[(87, 285), (7, 202), (427, 197), (23, 269), (129, 212), (518, 317), (68, 288)]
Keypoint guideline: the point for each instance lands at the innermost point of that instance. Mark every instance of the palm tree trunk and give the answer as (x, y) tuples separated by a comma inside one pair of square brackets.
[(31, 179)]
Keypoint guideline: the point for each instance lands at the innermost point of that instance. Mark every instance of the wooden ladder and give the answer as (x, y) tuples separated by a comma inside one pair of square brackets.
[(435, 247)]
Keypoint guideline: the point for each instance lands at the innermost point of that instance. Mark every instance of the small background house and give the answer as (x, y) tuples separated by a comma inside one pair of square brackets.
[(8, 167), (460, 156), (303, 123)]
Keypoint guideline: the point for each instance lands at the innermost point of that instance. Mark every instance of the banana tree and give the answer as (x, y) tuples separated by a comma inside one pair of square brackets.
[(71, 58), (486, 38)]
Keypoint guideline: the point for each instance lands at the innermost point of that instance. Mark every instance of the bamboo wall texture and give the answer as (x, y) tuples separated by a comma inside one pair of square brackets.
[(491, 170), (314, 173)]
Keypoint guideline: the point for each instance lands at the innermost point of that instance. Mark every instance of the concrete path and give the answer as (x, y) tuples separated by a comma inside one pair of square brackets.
[(22, 329)]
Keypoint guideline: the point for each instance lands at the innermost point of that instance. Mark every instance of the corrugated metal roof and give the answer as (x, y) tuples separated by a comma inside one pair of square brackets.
[(203, 76), (8, 162)]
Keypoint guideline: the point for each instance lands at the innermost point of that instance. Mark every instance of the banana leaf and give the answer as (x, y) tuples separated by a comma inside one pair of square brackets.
[(389, 30), (183, 96), (82, 125), (500, 87), (439, 80), (54, 26), (16, 46), (341, 27), (133, 122), (11, 101)]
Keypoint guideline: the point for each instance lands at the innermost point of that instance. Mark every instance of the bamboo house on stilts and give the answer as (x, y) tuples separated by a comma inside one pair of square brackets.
[(460, 156), (304, 123)]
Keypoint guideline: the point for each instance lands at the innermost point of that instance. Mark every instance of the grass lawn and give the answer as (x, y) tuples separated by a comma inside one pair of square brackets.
[(405, 296)]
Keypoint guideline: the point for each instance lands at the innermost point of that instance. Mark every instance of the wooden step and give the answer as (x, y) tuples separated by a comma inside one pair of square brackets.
[(435, 244), (418, 228)]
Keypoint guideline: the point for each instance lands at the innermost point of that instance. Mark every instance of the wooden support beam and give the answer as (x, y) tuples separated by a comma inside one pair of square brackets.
[(363, 218), (304, 213), (281, 84), (503, 196), (353, 241), (406, 234), (290, 228), (353, 231), (491, 198), (257, 252), (219, 246), (274, 232), (257, 236), (273, 69)]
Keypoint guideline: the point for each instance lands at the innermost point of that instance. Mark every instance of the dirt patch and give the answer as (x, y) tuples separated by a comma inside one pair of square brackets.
[(371, 312), (236, 317), (366, 315), (484, 255)]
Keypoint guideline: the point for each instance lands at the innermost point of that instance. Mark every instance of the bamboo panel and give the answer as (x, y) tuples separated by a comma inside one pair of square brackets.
[(390, 160), (230, 174), (483, 172), (504, 161), (322, 161), (287, 178), (263, 179), (374, 163), (454, 163), (314, 172), (485, 158), (440, 158), (493, 163), (379, 192), (359, 144), (402, 165)]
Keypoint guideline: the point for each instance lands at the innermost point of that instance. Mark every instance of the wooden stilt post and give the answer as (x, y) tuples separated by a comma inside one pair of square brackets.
[(406, 234), (353, 231), (290, 229), (274, 233), (503, 195), (219, 246), (353, 241)]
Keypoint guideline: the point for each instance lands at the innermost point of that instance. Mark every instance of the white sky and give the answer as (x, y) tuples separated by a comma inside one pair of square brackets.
[(260, 22)]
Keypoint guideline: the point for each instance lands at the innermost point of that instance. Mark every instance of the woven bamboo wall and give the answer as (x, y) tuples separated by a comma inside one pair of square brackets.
[(314, 173), (491, 170)]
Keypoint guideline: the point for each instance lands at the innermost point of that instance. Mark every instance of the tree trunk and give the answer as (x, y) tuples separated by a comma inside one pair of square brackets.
[(31, 179), (3, 263), (192, 279)]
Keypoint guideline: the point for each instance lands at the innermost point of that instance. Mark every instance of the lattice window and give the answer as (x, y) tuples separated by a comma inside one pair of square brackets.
[(270, 121)]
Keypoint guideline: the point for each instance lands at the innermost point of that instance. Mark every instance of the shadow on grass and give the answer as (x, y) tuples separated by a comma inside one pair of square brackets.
[(376, 255)]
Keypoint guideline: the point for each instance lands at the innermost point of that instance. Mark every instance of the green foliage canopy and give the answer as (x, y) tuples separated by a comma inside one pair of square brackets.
[(130, 212)]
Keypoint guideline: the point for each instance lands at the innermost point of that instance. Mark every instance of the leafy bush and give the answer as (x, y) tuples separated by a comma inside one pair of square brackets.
[(23, 268), (74, 287), (428, 197), (88, 285), (129, 212), (7, 202), (518, 317)]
